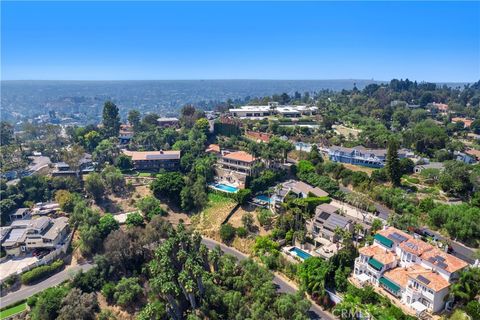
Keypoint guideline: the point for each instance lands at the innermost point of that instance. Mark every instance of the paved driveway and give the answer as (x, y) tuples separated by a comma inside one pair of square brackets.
[(11, 266)]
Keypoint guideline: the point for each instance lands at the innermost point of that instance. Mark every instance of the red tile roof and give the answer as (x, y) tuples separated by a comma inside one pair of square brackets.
[(378, 253), (452, 263), (240, 156)]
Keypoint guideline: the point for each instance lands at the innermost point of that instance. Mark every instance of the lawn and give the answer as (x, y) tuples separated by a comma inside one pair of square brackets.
[(144, 174), (13, 310)]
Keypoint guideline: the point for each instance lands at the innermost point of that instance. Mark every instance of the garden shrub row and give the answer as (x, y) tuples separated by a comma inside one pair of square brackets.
[(41, 272)]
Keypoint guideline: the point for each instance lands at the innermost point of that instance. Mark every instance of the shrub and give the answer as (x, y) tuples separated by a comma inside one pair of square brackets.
[(242, 232), (134, 220), (108, 290), (265, 217), (127, 291), (41, 272), (227, 232)]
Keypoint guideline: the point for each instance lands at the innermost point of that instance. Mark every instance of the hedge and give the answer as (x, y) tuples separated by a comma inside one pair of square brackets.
[(41, 272)]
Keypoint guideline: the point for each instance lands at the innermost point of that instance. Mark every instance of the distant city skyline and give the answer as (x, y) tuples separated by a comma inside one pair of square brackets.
[(423, 41)]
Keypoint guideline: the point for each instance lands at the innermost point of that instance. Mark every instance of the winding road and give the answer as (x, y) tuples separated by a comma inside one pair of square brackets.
[(28, 291), (283, 286)]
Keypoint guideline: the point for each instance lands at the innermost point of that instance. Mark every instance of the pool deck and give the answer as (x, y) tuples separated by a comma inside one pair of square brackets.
[(293, 257), (213, 186)]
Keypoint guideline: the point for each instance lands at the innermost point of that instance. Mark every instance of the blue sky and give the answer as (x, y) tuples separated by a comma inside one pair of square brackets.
[(431, 41)]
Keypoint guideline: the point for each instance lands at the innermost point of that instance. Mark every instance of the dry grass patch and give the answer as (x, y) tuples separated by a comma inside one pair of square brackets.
[(209, 220)]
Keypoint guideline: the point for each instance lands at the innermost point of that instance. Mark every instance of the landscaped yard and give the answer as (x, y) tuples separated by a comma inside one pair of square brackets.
[(13, 310)]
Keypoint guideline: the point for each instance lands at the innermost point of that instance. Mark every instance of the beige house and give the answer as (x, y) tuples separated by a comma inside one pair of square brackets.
[(235, 167), (25, 235)]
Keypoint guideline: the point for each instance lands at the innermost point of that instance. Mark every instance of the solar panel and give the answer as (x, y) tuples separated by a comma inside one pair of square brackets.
[(397, 237), (440, 258), (324, 215), (432, 260), (442, 265), (412, 246), (423, 279)]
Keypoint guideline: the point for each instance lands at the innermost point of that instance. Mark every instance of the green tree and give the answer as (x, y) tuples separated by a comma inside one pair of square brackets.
[(113, 179), (243, 195), (392, 165), (106, 152), (94, 186), (134, 119), (455, 178), (6, 133), (66, 200), (124, 162), (315, 156), (265, 218), (47, 303), (134, 220), (150, 207), (127, 292), (107, 224), (91, 140), (78, 305), (111, 120), (168, 185)]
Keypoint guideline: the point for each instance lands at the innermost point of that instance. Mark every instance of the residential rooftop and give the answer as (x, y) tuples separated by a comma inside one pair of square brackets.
[(239, 156), (153, 155)]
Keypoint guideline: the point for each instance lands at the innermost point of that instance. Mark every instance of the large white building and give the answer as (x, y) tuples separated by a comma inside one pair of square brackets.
[(261, 112), (413, 271)]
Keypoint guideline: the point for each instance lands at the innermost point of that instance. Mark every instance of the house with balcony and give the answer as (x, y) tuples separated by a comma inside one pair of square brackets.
[(154, 160), (416, 273), (234, 167), (361, 156), (23, 236)]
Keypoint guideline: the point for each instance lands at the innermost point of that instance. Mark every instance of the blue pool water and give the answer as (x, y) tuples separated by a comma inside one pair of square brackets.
[(300, 253), (264, 198), (226, 188)]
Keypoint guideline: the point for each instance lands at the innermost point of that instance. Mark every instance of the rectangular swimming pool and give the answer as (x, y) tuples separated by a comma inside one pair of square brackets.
[(264, 198), (224, 187), (300, 253)]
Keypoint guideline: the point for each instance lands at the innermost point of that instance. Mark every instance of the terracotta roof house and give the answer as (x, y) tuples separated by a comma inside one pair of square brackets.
[(467, 122), (234, 167), (416, 273)]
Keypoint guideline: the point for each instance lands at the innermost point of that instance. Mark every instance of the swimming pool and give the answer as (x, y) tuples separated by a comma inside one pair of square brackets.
[(300, 253), (224, 187), (264, 198)]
